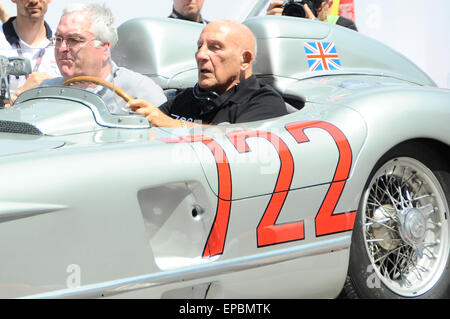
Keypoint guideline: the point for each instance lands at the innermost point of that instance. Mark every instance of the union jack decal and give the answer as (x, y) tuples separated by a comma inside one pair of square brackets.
[(322, 56)]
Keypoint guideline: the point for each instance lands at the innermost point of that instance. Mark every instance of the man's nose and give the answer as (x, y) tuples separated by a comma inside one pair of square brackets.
[(201, 54), (63, 46)]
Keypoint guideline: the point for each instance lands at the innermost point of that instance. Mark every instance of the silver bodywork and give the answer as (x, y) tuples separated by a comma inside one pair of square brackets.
[(101, 205)]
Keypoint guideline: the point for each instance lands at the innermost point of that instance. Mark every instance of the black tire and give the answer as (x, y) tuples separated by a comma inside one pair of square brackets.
[(398, 249)]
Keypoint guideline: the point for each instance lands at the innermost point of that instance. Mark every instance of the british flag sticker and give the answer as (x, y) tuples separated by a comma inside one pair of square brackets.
[(322, 56)]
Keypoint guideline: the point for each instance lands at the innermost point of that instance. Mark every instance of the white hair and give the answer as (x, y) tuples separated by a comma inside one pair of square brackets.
[(103, 21)]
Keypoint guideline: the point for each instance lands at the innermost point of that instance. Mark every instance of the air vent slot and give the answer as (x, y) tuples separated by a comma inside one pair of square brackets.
[(19, 128)]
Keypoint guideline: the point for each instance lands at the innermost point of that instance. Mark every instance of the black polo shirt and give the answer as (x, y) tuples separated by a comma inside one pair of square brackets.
[(247, 101)]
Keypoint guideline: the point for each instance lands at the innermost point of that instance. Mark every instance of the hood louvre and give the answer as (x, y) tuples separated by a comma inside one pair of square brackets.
[(19, 127)]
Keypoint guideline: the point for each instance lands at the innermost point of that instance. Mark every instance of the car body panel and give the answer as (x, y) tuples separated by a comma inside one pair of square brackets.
[(282, 39)]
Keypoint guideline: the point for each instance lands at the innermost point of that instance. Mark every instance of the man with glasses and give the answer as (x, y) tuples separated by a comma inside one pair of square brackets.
[(82, 41), (226, 92), (28, 35)]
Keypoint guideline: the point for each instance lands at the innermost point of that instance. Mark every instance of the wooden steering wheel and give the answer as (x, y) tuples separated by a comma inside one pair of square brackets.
[(83, 79)]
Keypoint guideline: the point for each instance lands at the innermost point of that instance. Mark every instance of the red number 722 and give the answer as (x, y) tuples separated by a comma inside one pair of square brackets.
[(268, 232)]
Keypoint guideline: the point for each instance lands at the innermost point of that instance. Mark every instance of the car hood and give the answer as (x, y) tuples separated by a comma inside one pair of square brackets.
[(46, 119), (13, 146), (60, 111)]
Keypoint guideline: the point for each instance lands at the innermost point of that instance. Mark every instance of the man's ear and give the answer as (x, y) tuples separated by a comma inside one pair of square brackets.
[(106, 45), (107, 52), (247, 58)]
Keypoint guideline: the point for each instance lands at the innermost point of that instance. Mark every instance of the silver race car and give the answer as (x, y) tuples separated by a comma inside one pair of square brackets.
[(346, 195)]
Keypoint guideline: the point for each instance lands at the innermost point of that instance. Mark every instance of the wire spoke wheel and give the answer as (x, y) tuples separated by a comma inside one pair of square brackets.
[(404, 226)]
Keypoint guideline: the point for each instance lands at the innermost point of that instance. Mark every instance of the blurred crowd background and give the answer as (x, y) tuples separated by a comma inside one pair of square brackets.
[(417, 29)]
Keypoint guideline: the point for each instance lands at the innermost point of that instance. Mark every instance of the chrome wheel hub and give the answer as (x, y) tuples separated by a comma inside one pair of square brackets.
[(412, 226)]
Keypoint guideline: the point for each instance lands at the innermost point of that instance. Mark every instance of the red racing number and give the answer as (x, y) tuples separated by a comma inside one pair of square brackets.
[(268, 232), (216, 238), (326, 221)]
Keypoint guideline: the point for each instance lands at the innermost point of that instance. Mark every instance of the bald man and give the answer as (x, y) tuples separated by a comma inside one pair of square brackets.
[(226, 92)]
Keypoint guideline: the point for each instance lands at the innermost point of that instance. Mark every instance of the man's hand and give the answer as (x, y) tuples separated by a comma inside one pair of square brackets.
[(33, 81), (309, 13), (153, 114), (275, 8)]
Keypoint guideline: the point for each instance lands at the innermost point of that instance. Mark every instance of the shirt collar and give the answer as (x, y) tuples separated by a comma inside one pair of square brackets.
[(100, 90), (238, 93), (177, 15), (114, 69), (11, 34)]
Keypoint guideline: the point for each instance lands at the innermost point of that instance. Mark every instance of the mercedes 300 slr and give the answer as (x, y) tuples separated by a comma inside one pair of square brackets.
[(347, 194)]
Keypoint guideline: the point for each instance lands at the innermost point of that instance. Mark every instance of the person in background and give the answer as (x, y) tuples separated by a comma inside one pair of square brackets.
[(4, 16), (28, 35), (322, 7), (227, 90), (189, 10)]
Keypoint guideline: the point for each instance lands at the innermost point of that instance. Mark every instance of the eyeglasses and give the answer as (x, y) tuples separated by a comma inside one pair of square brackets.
[(71, 41)]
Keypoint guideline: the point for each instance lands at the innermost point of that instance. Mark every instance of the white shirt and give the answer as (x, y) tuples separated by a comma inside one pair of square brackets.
[(42, 58)]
